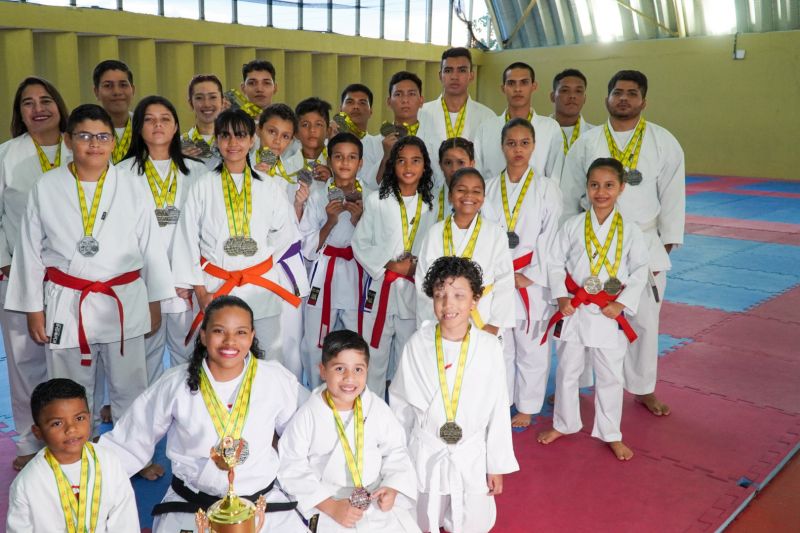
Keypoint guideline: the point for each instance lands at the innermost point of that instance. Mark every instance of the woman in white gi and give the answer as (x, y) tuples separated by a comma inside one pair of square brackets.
[(227, 390), (465, 233), (205, 99), (527, 207), (38, 121), (450, 396)]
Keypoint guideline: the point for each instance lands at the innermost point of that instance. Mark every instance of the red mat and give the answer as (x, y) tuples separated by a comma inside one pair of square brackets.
[(785, 308), (712, 229), (686, 321), (755, 334)]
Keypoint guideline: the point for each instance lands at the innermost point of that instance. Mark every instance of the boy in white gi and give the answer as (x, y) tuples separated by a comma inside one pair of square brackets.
[(258, 87), (568, 97), (405, 100), (313, 118), (343, 455), (355, 111), (90, 234), (597, 271), (114, 89), (205, 99), (450, 396), (70, 485)]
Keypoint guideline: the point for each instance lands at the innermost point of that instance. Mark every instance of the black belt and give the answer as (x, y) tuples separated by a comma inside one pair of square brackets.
[(201, 500)]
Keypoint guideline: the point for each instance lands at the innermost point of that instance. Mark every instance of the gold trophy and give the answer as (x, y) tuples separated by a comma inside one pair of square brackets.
[(231, 514)]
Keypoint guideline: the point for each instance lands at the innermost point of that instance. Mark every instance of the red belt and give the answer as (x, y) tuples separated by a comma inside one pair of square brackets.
[(236, 278), (520, 263), (377, 329), (337, 253), (581, 297), (86, 287)]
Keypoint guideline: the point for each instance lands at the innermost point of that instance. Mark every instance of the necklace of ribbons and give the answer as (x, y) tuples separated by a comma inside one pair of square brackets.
[(576, 131), (530, 116), (441, 204), (278, 168), (412, 129), (512, 216), (460, 120), (408, 237), (229, 423), (451, 400), (245, 104), (123, 144), (88, 216), (74, 509), (358, 132), (333, 185), (355, 463), (308, 161), (601, 252), (197, 137), (43, 161), (449, 247), (630, 156), (164, 190), (238, 205)]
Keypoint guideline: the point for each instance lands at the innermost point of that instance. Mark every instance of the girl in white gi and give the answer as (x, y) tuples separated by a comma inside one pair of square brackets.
[(328, 223), (450, 396), (205, 99), (527, 207), (234, 229), (454, 154), (466, 233), (386, 244), (38, 120), (89, 232), (597, 272), (227, 390), (343, 455), (71, 485)]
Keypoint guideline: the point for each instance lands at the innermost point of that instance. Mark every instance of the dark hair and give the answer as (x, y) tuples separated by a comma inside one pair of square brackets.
[(404, 75), (356, 88), (457, 142), (54, 389), (110, 64), (200, 351), (465, 171), (513, 123), (609, 163), (314, 105), (569, 73), (88, 112), (629, 75), (18, 127), (260, 65), (343, 339), (345, 137), (282, 111), (457, 52), (138, 149), (519, 64), (200, 78), (236, 121), (389, 183), (448, 267)]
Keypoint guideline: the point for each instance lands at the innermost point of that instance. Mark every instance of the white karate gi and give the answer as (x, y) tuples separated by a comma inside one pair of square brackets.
[(528, 362), (373, 155), (658, 206), (588, 332), (441, 202), (452, 478), (34, 504), (19, 171), (128, 236), (169, 408), (378, 239), (548, 155), (568, 130), (491, 253), (313, 466)]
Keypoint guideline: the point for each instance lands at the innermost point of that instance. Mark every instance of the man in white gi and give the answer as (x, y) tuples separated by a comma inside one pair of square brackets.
[(114, 89), (568, 97), (355, 110)]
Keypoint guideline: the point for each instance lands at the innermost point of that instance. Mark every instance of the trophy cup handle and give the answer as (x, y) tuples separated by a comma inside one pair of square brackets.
[(201, 521), (261, 512)]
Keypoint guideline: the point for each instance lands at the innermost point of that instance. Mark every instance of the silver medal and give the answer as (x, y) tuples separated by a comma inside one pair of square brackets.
[(239, 245), (88, 246), (633, 177), (267, 156), (360, 498), (228, 447), (341, 121), (305, 176), (450, 432), (335, 194), (612, 286), (593, 285)]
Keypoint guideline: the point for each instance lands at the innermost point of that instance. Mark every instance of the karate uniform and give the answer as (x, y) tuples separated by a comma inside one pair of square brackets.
[(528, 362), (373, 155), (313, 465), (19, 171), (492, 254), (658, 206), (590, 333), (452, 477), (211, 162), (34, 503), (378, 239), (568, 131), (129, 242)]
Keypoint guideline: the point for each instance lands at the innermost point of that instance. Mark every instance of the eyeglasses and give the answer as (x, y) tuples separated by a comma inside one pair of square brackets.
[(86, 137)]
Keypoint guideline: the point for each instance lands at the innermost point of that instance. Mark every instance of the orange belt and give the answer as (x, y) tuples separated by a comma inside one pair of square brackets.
[(86, 287), (335, 253), (520, 263), (377, 329), (237, 278)]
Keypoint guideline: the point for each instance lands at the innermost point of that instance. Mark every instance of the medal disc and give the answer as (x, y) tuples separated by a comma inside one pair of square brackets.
[(239, 245), (340, 121), (593, 285), (161, 217), (305, 176), (450, 432), (387, 128), (173, 214), (335, 194), (249, 246), (231, 247), (513, 240), (633, 177), (267, 156), (402, 131), (88, 246), (360, 498), (353, 196), (612, 286)]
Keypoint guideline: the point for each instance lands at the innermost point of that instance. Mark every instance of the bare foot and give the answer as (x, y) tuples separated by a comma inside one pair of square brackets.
[(653, 405), (105, 414), (21, 460), (520, 420), (551, 399), (152, 471), (622, 452), (546, 437)]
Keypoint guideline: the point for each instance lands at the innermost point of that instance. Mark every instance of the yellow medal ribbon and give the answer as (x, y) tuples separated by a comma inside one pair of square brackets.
[(197, 137), (333, 185), (602, 252), (530, 116), (278, 168), (164, 191), (630, 156), (449, 247), (441, 204), (88, 216), (451, 401), (229, 423), (511, 217), (43, 161), (316, 160), (576, 131), (460, 120), (74, 509), (408, 238), (354, 464), (411, 128), (238, 205), (123, 144), (245, 104)]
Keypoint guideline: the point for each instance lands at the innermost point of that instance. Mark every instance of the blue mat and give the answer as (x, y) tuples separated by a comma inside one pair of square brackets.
[(667, 343), (768, 209), (698, 179), (731, 299), (772, 186)]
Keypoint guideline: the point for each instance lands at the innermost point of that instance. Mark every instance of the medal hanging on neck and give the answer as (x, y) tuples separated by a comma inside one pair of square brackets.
[(359, 498), (630, 156), (88, 245), (230, 424), (513, 216), (198, 141), (461, 119), (123, 144), (450, 432), (74, 509), (239, 209), (45, 163), (530, 115), (447, 237), (164, 192), (409, 236), (238, 100), (593, 284), (576, 131)]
